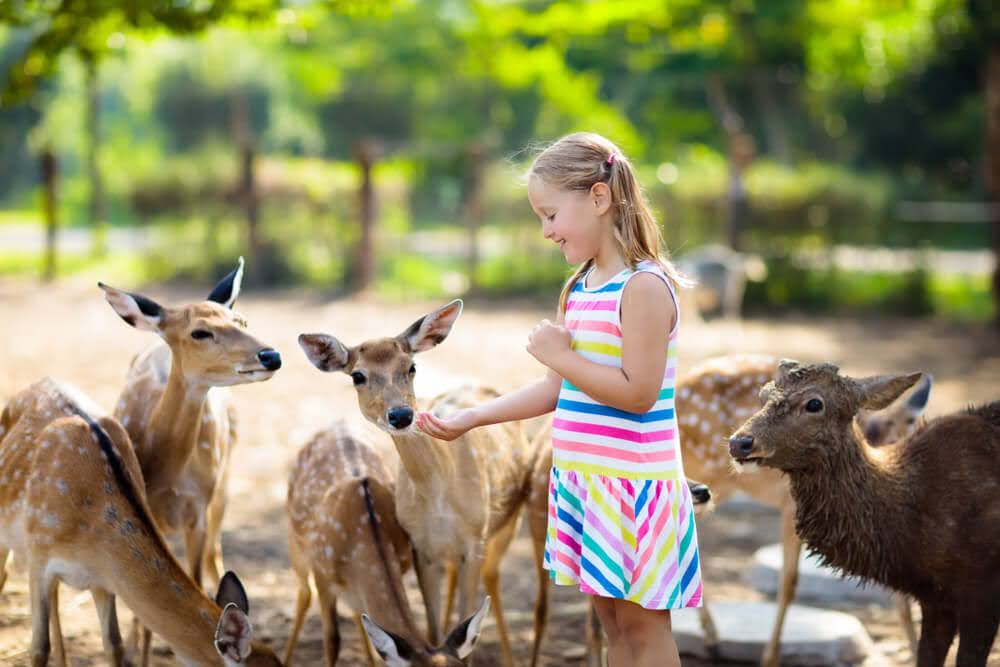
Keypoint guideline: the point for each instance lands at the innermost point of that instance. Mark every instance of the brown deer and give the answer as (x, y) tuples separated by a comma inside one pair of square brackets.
[(180, 422), (460, 501), (72, 501), (713, 399), (344, 536), (921, 516)]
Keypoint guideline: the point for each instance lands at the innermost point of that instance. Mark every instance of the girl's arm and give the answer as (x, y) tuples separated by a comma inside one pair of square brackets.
[(533, 399), (648, 313)]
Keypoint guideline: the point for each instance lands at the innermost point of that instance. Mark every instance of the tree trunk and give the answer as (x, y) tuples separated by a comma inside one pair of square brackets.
[(98, 216), (775, 131), (364, 259), (474, 154), (249, 199), (49, 174), (992, 98)]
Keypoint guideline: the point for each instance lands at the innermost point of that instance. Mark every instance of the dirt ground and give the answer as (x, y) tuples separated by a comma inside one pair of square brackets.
[(70, 332)]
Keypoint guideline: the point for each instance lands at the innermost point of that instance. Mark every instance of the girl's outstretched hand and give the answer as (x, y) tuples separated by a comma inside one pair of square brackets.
[(447, 428)]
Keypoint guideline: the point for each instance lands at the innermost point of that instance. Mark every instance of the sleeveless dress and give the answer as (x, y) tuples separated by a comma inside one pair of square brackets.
[(621, 521)]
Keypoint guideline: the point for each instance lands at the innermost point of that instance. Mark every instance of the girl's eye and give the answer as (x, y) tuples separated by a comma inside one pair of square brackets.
[(358, 377), (550, 218), (201, 334)]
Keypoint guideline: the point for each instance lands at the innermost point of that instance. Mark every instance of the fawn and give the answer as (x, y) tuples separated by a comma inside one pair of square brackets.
[(921, 516), (345, 537), (459, 502), (72, 500)]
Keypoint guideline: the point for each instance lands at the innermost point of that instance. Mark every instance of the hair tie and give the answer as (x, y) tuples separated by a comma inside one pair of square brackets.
[(611, 159)]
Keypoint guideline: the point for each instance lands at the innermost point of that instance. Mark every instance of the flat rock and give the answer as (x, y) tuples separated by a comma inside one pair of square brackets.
[(810, 636), (816, 582)]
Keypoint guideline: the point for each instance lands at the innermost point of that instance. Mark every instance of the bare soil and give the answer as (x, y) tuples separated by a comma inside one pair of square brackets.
[(70, 332)]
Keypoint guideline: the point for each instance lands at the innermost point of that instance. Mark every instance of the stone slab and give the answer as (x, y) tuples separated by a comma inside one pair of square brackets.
[(816, 582), (811, 637)]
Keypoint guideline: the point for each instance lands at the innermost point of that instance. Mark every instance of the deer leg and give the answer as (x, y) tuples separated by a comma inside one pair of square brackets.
[(937, 631), (978, 621), (538, 525), (791, 547), (55, 632), (110, 635), (450, 584), (4, 558), (194, 549), (369, 653), (495, 550), (429, 577), (212, 553), (147, 641), (906, 620), (708, 628), (302, 600), (331, 629), (41, 591)]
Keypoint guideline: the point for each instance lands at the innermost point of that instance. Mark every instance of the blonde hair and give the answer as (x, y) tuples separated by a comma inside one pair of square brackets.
[(577, 162)]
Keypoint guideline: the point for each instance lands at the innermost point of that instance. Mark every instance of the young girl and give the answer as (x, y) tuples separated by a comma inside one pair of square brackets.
[(621, 526)]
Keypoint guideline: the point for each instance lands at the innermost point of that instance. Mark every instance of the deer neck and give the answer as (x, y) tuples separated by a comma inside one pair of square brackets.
[(852, 509), (425, 460), (173, 429)]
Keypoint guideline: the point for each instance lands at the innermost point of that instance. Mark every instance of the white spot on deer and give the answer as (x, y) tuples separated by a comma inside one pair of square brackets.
[(63, 486), (328, 551), (125, 420), (204, 444)]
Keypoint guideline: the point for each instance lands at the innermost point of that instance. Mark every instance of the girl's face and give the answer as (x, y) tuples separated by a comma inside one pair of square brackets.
[(570, 218)]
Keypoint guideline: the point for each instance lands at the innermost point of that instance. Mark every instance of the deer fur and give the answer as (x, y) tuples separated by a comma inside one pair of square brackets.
[(72, 501), (459, 501), (345, 537), (921, 516)]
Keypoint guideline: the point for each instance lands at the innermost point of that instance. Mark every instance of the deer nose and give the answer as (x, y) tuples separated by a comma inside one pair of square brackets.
[(700, 494), (740, 446), (270, 359), (400, 417)]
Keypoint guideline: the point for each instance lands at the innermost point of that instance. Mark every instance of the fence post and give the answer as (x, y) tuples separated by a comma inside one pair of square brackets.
[(249, 199), (49, 202), (363, 266), (475, 158)]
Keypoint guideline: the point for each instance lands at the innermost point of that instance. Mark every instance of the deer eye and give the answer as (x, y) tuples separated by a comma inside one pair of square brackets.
[(413, 369), (358, 377), (201, 334), (814, 405)]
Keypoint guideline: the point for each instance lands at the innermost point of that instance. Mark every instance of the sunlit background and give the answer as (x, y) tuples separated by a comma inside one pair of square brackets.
[(841, 146)]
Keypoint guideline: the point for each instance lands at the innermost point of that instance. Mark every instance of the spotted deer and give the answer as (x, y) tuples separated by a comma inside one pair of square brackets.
[(177, 415), (712, 399), (460, 501), (345, 538), (921, 516), (72, 503)]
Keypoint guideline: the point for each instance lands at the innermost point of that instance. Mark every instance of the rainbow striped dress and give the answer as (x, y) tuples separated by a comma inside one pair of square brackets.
[(621, 520)]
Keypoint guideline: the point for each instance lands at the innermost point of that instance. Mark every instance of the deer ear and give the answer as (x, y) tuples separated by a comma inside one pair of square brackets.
[(231, 591), (786, 366), (325, 352), (395, 651), (431, 329), (229, 287), (879, 391), (232, 635), (917, 402), (137, 310), (463, 638)]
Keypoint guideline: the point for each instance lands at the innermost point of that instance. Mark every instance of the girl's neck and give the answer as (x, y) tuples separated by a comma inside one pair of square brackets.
[(606, 265)]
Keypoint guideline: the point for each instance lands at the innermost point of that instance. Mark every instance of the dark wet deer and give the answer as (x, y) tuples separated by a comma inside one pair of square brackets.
[(921, 516)]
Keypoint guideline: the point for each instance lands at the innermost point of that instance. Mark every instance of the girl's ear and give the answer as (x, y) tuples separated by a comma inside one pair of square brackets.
[(600, 194)]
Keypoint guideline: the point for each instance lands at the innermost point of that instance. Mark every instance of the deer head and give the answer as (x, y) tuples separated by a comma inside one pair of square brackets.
[(233, 636), (399, 652), (899, 419), (808, 410), (383, 369), (208, 340)]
